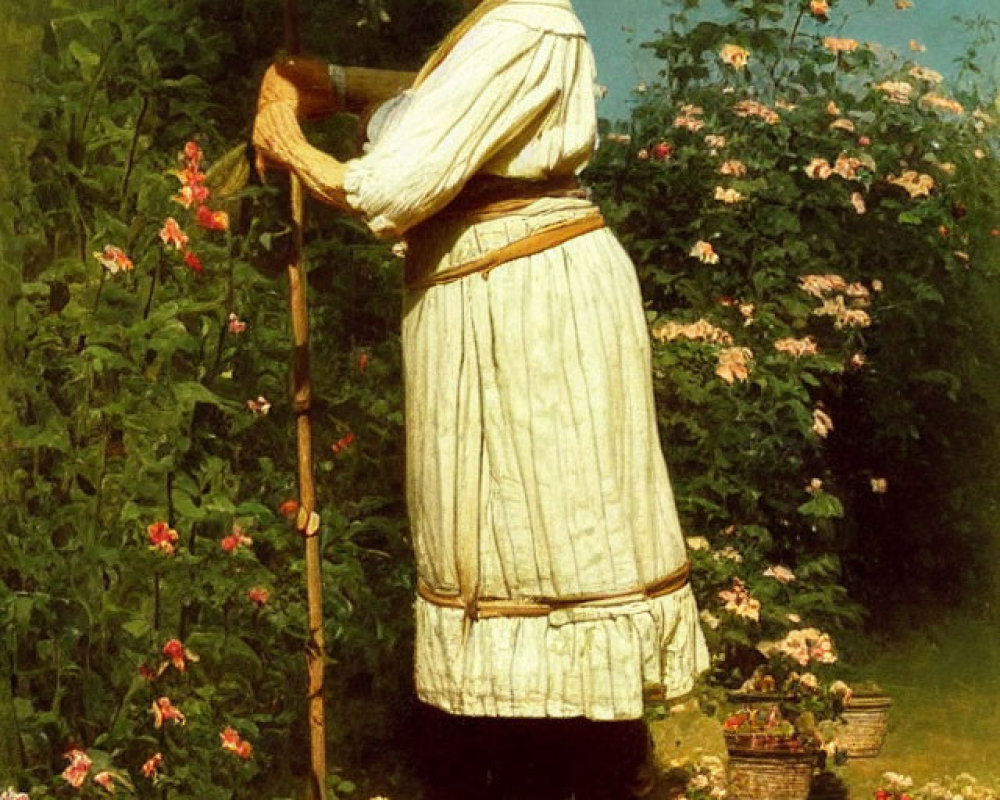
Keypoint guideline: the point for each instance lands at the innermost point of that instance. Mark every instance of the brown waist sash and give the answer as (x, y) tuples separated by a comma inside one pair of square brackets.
[(494, 607), (543, 239)]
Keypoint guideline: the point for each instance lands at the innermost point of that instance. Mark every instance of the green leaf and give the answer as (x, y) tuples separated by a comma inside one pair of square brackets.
[(822, 506), (192, 392), (85, 57), (137, 627)]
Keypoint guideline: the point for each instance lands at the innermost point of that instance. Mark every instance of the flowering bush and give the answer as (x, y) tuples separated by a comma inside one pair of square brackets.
[(808, 236)]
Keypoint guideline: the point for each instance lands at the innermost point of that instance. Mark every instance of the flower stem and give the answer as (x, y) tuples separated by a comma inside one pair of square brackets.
[(152, 285), (130, 162), (795, 29), (100, 289)]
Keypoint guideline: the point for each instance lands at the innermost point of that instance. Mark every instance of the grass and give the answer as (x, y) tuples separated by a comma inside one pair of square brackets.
[(945, 685)]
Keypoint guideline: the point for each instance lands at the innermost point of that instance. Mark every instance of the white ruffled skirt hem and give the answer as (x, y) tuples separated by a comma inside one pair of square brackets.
[(594, 662)]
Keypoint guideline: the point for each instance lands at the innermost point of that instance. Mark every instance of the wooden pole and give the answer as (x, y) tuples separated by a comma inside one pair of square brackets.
[(308, 519)]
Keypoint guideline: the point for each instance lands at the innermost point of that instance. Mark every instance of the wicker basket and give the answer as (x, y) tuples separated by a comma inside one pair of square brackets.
[(769, 774), (862, 730)]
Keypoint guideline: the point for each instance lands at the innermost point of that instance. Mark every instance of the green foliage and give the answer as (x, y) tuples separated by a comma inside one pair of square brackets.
[(158, 394)]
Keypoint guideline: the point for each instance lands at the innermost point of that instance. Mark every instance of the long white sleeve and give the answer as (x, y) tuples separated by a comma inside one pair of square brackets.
[(497, 104)]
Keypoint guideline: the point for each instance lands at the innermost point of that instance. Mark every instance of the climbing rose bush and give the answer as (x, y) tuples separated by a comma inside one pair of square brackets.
[(810, 216)]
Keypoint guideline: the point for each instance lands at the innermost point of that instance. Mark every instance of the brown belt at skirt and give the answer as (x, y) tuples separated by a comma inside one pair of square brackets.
[(490, 197), (494, 607)]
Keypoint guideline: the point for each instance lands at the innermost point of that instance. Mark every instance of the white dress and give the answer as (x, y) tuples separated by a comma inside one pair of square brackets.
[(533, 462)]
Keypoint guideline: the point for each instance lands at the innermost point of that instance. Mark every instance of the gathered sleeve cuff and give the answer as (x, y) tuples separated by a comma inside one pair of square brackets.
[(489, 90)]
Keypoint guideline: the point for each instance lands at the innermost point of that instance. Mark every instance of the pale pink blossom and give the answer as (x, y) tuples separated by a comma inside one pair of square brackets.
[(820, 285), (735, 56), (728, 196), (819, 169), (702, 330), (728, 553), (780, 573), (822, 423), (739, 602), (79, 765), (797, 347), (734, 168), (899, 92), (734, 364), (704, 252), (842, 124), (709, 619)]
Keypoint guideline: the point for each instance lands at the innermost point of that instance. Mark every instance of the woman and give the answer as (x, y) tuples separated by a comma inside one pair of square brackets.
[(551, 565)]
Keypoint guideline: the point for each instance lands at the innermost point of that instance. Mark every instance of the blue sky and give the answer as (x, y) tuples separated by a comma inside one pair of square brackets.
[(622, 63)]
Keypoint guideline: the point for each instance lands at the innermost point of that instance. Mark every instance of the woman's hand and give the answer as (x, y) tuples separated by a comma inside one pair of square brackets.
[(279, 142), (276, 136), (301, 83)]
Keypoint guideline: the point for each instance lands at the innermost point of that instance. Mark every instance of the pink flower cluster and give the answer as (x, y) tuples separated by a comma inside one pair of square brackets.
[(739, 602), (193, 194), (803, 646)]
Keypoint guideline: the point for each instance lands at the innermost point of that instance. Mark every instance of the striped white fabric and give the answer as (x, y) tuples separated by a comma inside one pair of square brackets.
[(534, 466)]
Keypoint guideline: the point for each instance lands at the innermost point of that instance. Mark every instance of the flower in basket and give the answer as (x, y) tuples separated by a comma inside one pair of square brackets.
[(769, 729), (843, 694), (789, 673)]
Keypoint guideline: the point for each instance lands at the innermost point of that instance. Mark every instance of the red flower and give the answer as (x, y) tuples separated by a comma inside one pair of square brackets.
[(152, 765), (235, 325), (211, 220), (172, 235), (289, 508), (79, 766), (735, 721), (363, 361), (163, 711), (105, 780), (114, 259), (662, 151), (193, 262), (147, 673), (235, 540), (232, 742), (193, 192), (178, 654), (162, 537), (343, 443), (192, 152), (259, 596)]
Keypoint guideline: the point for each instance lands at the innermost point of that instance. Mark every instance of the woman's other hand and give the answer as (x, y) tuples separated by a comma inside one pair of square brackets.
[(301, 83)]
